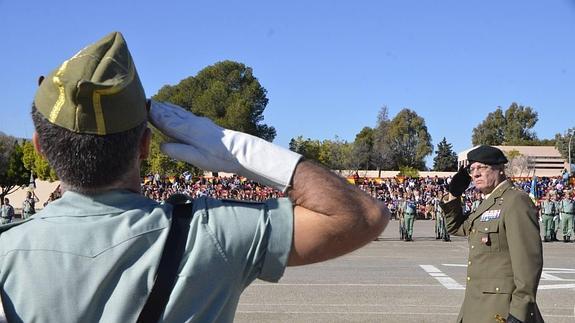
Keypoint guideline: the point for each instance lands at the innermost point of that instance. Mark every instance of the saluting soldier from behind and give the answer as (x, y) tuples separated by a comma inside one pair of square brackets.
[(97, 253), (547, 214), (505, 251), (567, 208)]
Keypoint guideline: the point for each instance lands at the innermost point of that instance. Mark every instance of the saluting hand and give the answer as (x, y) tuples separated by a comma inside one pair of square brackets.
[(460, 182)]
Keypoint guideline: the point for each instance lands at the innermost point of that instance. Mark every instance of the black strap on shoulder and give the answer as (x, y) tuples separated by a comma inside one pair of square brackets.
[(169, 264)]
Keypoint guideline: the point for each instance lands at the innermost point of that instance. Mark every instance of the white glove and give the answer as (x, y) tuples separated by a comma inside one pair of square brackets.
[(211, 147)]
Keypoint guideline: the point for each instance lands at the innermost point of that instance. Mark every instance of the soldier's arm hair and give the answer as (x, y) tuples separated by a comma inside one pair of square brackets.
[(331, 216)]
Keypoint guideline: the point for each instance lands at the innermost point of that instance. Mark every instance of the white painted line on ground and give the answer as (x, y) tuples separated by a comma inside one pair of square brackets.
[(445, 280), (348, 313), (449, 283), (454, 265), (372, 313), (557, 286), (345, 285), (430, 269), (548, 270), (547, 276), (347, 305), (560, 270)]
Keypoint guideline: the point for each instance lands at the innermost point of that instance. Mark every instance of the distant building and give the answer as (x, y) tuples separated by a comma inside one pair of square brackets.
[(526, 161)]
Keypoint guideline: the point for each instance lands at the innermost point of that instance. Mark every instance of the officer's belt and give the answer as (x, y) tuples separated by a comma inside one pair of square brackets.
[(548, 213), (409, 213), (568, 212)]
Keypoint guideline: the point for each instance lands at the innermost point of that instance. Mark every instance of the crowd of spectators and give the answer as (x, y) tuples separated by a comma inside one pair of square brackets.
[(159, 188), (428, 190), (425, 190)]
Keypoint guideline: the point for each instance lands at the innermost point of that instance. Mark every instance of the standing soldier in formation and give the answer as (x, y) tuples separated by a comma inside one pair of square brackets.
[(400, 216), (567, 208), (6, 212), (556, 223), (29, 205), (547, 214), (409, 213), (505, 252), (440, 228)]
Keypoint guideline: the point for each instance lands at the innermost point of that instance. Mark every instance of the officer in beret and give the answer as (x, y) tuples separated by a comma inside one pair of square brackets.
[(505, 252), (94, 254)]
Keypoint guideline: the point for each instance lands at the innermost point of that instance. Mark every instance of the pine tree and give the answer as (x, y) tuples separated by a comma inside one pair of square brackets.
[(446, 159)]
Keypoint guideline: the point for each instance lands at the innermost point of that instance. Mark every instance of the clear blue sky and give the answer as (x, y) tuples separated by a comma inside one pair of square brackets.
[(328, 66)]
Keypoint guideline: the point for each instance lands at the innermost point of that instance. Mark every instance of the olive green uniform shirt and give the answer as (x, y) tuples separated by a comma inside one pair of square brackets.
[(94, 258), (505, 256)]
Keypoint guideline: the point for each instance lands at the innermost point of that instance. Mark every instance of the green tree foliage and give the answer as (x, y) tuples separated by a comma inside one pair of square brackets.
[(383, 156), (160, 163), (490, 131), (445, 159), (227, 93), (363, 149), (512, 127), (408, 140), (562, 144), (335, 154), (308, 148), (13, 174), (37, 163), (408, 171)]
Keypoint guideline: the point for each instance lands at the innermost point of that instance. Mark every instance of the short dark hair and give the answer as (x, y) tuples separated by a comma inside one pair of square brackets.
[(87, 162)]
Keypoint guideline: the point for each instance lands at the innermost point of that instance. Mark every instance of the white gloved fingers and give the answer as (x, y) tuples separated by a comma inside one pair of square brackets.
[(197, 157), (210, 147), (180, 124)]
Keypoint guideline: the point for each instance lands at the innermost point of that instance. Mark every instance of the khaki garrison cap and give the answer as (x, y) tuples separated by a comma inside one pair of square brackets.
[(97, 91)]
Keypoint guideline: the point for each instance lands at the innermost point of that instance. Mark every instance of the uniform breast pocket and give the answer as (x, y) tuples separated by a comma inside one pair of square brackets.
[(489, 236)]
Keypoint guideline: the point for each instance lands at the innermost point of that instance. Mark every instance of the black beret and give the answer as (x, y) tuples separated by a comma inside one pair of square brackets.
[(488, 155)]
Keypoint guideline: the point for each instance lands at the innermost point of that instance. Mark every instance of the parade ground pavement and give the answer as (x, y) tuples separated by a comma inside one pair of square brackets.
[(395, 281)]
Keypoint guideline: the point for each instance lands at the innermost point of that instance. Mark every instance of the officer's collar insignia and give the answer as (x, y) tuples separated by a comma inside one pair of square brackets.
[(490, 215)]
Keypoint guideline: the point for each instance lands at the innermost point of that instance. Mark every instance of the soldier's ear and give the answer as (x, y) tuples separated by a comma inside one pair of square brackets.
[(145, 144), (36, 143)]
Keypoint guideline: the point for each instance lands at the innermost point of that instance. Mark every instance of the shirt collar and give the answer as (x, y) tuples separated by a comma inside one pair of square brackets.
[(107, 203)]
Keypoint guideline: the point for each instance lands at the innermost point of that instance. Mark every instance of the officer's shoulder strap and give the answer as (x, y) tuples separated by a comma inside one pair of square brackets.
[(170, 260)]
